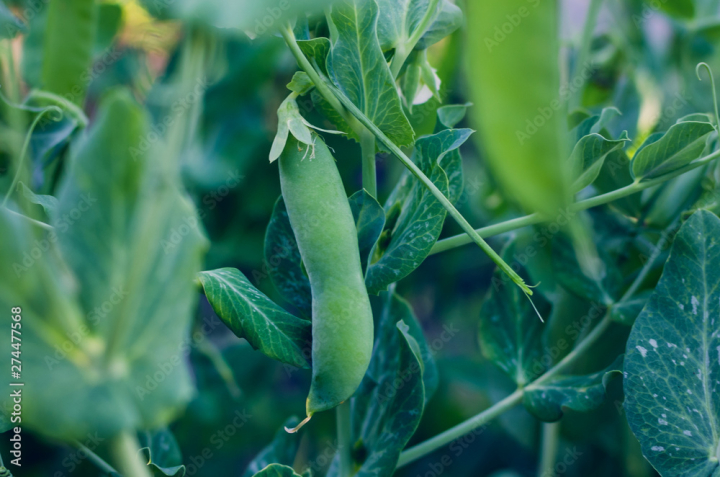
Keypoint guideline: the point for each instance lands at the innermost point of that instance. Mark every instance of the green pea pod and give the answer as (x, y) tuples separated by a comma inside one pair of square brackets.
[(342, 323)]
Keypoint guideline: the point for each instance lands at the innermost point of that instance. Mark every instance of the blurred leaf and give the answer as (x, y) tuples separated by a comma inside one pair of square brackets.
[(10, 25), (47, 202), (414, 217), (601, 289), (253, 316), (547, 400), (388, 405), (109, 21), (510, 329), (518, 119), (672, 371), (683, 143), (448, 20), (162, 453), (67, 55), (277, 470), (676, 8), (369, 219), (626, 312), (358, 67), (281, 450), (128, 303), (588, 157)]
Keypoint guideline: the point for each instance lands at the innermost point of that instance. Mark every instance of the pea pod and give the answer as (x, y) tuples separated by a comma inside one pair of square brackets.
[(342, 324)]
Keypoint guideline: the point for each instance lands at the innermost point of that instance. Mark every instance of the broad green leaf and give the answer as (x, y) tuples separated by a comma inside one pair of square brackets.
[(510, 330), (284, 262), (677, 8), (672, 365), (316, 51), (680, 145), (449, 19), (253, 316), (628, 311), (547, 400), (10, 25), (47, 202), (369, 220), (601, 289), (398, 21), (387, 407), (396, 308), (109, 21), (67, 56), (414, 217), (358, 68), (449, 116), (588, 157), (162, 453), (615, 174), (121, 302), (277, 470), (281, 450), (519, 120)]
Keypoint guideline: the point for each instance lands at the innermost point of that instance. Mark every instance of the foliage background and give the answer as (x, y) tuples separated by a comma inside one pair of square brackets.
[(645, 66)]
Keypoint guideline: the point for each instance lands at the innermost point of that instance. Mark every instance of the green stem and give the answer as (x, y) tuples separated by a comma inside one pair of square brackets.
[(96, 459), (124, 448), (334, 96), (536, 218), (585, 45), (344, 437), (403, 50), (211, 352), (23, 151), (369, 174), (550, 439)]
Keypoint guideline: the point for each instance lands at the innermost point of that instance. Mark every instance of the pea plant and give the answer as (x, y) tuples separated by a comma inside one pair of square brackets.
[(598, 279)]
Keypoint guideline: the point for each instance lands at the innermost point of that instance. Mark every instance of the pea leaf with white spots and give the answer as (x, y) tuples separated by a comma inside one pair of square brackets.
[(253, 316), (672, 364), (547, 400)]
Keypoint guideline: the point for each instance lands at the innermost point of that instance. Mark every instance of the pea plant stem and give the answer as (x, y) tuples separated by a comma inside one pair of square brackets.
[(550, 438), (124, 448), (403, 50), (536, 218), (96, 459), (369, 174), (342, 413)]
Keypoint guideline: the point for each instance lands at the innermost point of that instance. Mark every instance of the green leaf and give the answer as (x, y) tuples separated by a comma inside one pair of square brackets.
[(547, 400), (369, 218), (602, 289), (253, 316), (449, 116), (414, 218), (301, 83), (162, 453), (519, 119), (678, 8), (109, 21), (447, 21), (281, 450), (510, 330), (67, 55), (588, 157), (120, 302), (358, 68), (680, 145), (316, 51), (398, 21), (277, 470), (627, 311), (47, 202), (10, 25), (387, 407), (672, 365)]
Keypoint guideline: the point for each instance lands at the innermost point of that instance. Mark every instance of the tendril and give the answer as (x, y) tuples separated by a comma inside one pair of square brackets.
[(712, 85)]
